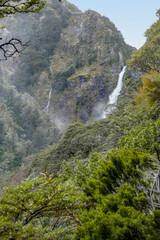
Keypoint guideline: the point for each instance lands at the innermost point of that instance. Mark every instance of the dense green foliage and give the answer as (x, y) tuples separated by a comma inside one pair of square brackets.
[(149, 93), (102, 199), (148, 56), (26, 209), (24, 126), (24, 129), (112, 194), (117, 190)]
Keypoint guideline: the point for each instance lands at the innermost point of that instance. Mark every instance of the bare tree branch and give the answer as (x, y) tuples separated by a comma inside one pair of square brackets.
[(157, 152), (14, 46), (11, 47)]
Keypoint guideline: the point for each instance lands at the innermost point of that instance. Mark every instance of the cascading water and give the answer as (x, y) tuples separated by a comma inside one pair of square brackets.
[(41, 20), (50, 92), (116, 92), (113, 97), (49, 99), (51, 67)]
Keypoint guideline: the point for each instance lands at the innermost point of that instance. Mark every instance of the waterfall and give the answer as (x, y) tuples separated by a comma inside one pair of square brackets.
[(113, 97), (51, 67), (50, 92), (116, 92), (41, 20), (49, 99)]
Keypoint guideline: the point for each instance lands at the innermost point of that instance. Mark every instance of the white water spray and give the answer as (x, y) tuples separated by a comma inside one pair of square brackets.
[(113, 97), (49, 100), (41, 20)]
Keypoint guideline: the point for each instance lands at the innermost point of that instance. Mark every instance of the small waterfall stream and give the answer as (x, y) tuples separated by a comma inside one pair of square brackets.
[(51, 67), (113, 97), (41, 20), (49, 99), (50, 92)]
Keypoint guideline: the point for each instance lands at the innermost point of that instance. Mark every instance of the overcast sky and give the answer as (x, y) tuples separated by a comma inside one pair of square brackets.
[(131, 17)]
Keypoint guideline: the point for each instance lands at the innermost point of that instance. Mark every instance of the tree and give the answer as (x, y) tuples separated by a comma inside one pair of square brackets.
[(147, 57), (8, 7), (149, 93), (37, 208), (107, 198), (121, 207)]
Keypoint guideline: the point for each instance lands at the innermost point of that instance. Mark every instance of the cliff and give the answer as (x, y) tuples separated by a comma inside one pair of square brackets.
[(77, 55)]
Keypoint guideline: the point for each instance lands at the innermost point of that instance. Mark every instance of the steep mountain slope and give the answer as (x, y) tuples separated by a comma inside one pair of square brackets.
[(80, 140), (111, 194), (69, 67), (86, 65), (24, 129), (135, 123), (78, 55)]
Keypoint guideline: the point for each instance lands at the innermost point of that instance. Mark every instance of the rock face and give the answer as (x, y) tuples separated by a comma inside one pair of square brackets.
[(85, 95), (95, 49), (81, 95), (79, 55)]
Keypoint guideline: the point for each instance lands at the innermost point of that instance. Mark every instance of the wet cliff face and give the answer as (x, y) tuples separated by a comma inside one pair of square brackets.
[(85, 66), (83, 92), (77, 55)]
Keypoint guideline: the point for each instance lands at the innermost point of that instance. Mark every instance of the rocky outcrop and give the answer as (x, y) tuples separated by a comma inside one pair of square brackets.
[(83, 92), (93, 46)]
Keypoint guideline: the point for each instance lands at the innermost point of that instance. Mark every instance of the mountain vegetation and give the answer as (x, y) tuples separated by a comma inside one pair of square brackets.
[(77, 55), (54, 59), (100, 180), (24, 129)]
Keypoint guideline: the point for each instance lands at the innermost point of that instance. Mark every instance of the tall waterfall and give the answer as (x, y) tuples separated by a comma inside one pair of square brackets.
[(49, 99), (113, 97)]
